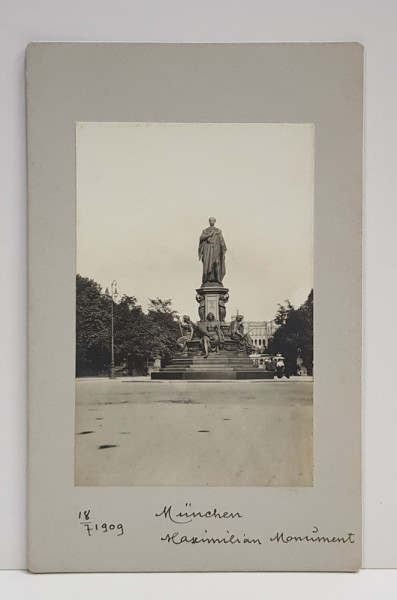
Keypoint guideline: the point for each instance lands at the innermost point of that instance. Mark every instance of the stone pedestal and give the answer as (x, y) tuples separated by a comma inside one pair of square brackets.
[(157, 364), (212, 293)]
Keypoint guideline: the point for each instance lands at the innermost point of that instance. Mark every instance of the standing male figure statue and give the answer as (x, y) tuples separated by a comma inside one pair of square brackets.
[(211, 252)]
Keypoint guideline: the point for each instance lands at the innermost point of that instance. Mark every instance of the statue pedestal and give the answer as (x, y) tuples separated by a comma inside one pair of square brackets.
[(156, 364), (212, 293)]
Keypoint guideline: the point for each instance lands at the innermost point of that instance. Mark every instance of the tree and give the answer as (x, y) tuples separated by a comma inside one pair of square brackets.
[(306, 313), (130, 324), (92, 327), (165, 329), (283, 312), (138, 337), (294, 337)]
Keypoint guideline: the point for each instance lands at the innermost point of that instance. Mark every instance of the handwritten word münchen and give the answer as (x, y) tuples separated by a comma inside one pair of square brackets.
[(188, 516), (287, 539), (177, 539)]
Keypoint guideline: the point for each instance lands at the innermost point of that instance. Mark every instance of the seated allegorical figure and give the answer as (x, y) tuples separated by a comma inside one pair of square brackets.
[(245, 343), (187, 330), (211, 335)]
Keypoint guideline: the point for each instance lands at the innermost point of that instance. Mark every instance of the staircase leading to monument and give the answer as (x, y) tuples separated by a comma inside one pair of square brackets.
[(218, 365)]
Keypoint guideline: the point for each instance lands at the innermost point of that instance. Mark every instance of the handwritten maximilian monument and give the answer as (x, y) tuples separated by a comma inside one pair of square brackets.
[(212, 348)]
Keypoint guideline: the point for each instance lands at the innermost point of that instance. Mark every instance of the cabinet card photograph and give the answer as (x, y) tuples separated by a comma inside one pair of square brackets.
[(194, 306), (194, 322)]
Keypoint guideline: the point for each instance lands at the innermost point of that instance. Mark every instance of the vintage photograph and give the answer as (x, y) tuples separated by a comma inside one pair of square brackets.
[(194, 304)]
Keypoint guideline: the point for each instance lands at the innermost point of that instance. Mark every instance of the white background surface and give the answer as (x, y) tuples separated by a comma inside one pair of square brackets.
[(373, 24)]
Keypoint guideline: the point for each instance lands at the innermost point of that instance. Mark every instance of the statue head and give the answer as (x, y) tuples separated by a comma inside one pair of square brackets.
[(210, 317), (212, 221), (186, 318), (239, 318)]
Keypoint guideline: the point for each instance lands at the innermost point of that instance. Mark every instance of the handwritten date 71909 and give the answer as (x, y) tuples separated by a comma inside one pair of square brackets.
[(92, 528)]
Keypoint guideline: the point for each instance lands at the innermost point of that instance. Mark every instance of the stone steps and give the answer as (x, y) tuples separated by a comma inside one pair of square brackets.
[(223, 374), (221, 365), (205, 368), (209, 359), (209, 367)]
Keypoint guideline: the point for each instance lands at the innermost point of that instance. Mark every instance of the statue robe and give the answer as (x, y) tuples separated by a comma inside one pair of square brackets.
[(212, 253)]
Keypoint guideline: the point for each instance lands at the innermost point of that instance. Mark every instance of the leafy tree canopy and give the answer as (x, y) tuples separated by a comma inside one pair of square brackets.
[(294, 337), (138, 337)]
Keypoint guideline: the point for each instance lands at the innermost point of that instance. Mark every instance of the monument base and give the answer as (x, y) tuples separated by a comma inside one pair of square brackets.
[(225, 365), (228, 361), (213, 293)]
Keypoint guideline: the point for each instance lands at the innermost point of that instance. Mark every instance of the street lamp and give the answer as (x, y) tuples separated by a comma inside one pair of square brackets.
[(113, 293)]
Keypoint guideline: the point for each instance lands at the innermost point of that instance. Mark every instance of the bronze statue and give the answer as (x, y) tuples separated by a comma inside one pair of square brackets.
[(223, 298), (201, 308), (237, 333), (187, 330), (211, 335), (211, 252)]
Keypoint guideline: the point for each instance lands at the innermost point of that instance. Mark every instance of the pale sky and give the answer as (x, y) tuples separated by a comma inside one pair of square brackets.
[(145, 192)]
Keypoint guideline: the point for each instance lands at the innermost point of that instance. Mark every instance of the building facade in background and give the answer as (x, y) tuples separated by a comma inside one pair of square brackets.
[(260, 331)]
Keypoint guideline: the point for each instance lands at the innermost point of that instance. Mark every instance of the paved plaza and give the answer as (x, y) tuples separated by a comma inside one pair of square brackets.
[(133, 431)]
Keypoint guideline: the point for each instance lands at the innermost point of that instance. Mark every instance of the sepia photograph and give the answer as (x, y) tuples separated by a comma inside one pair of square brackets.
[(194, 304)]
